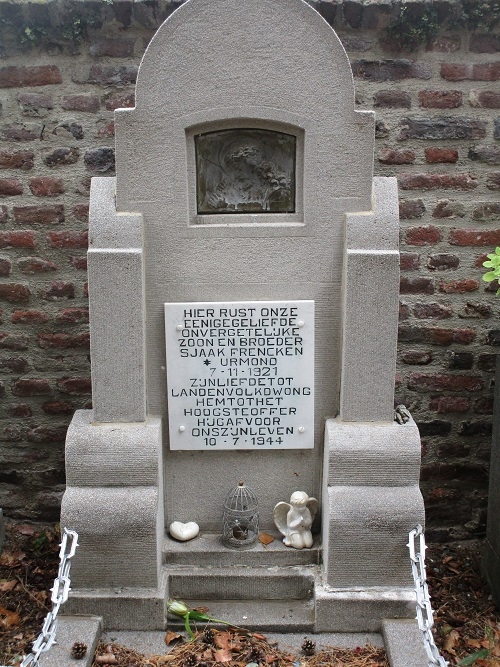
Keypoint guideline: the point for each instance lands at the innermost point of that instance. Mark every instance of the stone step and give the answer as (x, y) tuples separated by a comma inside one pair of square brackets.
[(240, 583), (207, 549), (257, 615)]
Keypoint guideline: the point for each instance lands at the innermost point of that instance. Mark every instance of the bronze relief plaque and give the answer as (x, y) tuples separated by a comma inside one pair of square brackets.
[(245, 171)]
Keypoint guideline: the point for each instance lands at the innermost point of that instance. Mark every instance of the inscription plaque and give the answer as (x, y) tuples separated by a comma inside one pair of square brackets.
[(240, 375), (245, 171)]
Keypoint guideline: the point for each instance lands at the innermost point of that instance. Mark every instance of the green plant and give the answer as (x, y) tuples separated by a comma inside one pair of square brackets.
[(483, 653), (413, 26), (493, 264), (476, 15), (178, 608)]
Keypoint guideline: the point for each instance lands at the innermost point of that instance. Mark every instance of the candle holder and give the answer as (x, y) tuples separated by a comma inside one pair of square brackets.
[(240, 519)]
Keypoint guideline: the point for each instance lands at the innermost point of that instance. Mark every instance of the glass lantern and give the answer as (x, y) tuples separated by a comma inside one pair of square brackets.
[(240, 520)]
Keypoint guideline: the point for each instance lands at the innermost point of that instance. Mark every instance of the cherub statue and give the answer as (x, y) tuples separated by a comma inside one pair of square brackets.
[(294, 520)]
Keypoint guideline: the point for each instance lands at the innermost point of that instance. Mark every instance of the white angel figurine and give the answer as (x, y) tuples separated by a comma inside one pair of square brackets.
[(294, 520)]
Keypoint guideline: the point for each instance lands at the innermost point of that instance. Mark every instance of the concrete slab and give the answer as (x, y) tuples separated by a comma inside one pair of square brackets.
[(154, 642), (71, 629), (404, 643)]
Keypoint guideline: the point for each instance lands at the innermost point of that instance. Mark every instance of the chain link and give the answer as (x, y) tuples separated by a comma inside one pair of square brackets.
[(60, 592), (425, 617)]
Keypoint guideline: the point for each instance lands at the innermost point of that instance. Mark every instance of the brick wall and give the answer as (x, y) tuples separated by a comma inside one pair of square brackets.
[(431, 74)]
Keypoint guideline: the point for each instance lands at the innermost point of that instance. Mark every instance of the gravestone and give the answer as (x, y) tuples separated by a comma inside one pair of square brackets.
[(243, 287)]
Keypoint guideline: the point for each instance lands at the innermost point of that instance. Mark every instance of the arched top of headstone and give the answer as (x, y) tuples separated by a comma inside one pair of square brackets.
[(226, 52), (244, 67)]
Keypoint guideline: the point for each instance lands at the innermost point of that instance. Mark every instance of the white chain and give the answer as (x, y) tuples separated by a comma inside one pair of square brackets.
[(60, 592), (425, 617)]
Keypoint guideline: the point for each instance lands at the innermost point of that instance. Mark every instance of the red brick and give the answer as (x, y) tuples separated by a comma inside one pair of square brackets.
[(484, 43), (47, 434), (446, 208), (61, 341), (120, 100), (21, 239), (391, 99), (45, 186), (37, 75), (436, 155), (113, 47), (35, 104), (445, 404), (15, 365), (486, 71), (390, 70), (440, 99), (43, 214), (437, 181), (483, 406), (68, 239), (105, 129), (109, 75), (16, 159), (443, 262), (440, 382), (14, 293), (411, 208), (79, 263), (57, 290), (476, 310), (20, 410), (474, 237), (486, 154), (404, 311), (72, 315), (417, 357), (31, 265), (487, 211), (488, 99), (100, 159), (75, 386), (85, 103), (409, 261), (442, 127), (62, 156), (10, 187), (443, 44), (493, 181), (81, 212), (421, 236), (5, 267), (393, 156), (434, 335), (458, 286), (31, 387), (418, 285), (22, 132), (432, 310), (58, 408), (14, 341), (29, 317)]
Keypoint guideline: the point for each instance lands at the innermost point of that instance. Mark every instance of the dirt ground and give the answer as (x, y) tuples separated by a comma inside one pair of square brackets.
[(467, 624)]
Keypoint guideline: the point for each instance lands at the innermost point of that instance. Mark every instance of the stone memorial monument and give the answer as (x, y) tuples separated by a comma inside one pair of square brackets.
[(243, 286)]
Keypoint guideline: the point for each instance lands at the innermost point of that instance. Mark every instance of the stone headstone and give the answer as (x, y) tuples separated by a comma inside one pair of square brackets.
[(244, 191)]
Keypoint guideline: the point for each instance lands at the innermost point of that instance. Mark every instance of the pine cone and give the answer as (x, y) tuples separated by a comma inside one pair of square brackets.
[(208, 636), (255, 655), (191, 660), (308, 646), (78, 650)]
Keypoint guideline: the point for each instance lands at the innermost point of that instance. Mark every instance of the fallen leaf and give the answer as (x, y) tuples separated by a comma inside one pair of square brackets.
[(223, 655), (202, 610), (106, 659), (259, 636), (24, 529), (223, 640), (265, 538), (8, 618), (11, 558), (171, 636), (7, 585), (208, 655), (450, 642)]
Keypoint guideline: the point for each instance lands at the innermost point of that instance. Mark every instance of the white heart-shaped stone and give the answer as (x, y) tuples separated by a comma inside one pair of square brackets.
[(184, 531)]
